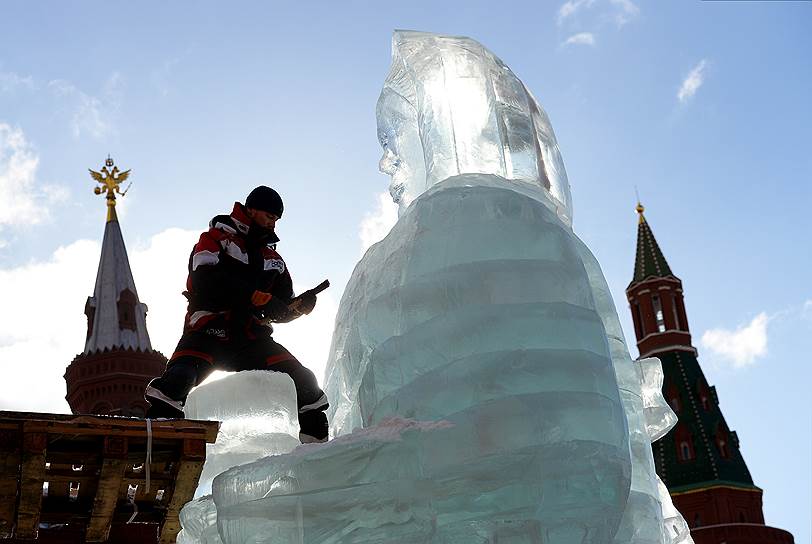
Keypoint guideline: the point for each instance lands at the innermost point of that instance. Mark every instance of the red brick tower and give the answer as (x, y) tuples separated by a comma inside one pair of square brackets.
[(699, 459), (109, 376)]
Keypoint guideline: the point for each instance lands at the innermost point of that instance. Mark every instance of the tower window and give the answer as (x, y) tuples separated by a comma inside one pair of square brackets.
[(723, 451), (704, 395), (676, 314), (684, 443), (722, 441), (672, 394), (658, 313), (126, 310), (638, 320)]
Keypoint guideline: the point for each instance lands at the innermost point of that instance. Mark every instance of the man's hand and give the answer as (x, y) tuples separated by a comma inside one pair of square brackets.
[(304, 304)]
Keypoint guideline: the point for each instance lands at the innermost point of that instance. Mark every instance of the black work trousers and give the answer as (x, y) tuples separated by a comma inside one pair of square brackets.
[(218, 345)]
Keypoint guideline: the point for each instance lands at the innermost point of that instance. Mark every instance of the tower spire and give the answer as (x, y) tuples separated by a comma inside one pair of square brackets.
[(699, 459), (649, 261), (110, 374)]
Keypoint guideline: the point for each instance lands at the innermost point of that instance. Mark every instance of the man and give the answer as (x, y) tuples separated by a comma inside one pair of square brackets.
[(237, 283)]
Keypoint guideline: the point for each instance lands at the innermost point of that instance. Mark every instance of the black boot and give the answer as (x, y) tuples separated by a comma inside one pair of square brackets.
[(161, 406), (313, 427)]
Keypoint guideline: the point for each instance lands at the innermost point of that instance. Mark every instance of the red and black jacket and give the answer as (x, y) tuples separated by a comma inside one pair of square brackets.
[(227, 265)]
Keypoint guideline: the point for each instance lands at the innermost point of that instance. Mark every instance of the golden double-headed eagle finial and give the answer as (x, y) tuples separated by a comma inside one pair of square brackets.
[(111, 181)]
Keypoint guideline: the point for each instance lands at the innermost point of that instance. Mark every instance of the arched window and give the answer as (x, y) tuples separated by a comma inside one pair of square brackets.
[(90, 312), (658, 312), (126, 310), (672, 396), (704, 395), (684, 443), (638, 320), (676, 316), (722, 441)]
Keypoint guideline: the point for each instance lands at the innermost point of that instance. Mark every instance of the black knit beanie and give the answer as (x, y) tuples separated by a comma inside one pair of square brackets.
[(265, 199)]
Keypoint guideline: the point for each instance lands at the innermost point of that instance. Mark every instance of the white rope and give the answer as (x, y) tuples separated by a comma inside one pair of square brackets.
[(149, 452), (135, 510)]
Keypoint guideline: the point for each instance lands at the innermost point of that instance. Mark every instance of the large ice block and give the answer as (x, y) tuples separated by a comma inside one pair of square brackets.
[(258, 412)]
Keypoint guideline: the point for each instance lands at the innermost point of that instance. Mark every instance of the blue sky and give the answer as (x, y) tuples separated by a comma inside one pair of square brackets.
[(703, 106)]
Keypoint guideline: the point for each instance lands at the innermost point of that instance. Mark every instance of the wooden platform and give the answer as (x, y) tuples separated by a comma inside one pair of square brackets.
[(80, 478)]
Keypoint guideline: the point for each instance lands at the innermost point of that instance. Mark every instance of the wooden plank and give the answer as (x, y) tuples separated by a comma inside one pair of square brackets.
[(9, 487), (103, 425), (104, 504), (163, 432), (185, 486), (33, 474), (10, 443), (114, 465)]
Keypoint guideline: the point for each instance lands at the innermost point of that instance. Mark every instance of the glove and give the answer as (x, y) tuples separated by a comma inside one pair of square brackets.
[(276, 311), (304, 303), (260, 298)]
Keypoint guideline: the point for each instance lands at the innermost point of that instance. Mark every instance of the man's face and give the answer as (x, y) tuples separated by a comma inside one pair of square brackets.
[(262, 218)]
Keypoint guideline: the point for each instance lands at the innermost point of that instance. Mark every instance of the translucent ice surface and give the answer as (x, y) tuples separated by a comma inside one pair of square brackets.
[(258, 414), (480, 388), (199, 521), (448, 107)]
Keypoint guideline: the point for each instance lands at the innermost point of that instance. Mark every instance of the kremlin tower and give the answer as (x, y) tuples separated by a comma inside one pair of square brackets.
[(110, 375), (699, 459)]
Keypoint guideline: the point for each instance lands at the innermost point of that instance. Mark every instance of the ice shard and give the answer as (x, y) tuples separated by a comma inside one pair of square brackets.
[(479, 384)]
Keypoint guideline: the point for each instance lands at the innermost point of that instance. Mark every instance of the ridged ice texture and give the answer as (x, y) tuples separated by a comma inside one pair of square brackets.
[(650, 516), (474, 317), (258, 415)]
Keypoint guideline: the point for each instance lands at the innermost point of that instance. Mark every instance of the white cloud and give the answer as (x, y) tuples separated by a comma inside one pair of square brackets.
[(377, 224), (43, 327), (807, 309), (626, 10), (582, 38), (10, 81), (618, 11), (24, 200), (93, 115), (19, 196), (693, 82), (569, 8), (741, 347)]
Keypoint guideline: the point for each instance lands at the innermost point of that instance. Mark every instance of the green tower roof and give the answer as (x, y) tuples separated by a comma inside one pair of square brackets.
[(649, 262)]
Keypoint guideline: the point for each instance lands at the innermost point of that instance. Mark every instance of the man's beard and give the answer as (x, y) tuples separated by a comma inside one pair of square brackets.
[(258, 236)]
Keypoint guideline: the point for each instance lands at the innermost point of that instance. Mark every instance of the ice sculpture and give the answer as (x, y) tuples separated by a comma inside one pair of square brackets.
[(480, 387)]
